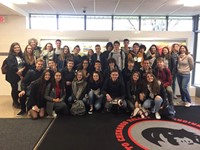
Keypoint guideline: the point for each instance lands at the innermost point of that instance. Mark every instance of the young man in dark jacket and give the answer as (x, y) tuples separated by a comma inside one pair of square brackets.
[(114, 91)]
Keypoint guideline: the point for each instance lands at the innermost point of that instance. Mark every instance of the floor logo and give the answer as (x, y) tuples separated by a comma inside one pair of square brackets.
[(179, 134)]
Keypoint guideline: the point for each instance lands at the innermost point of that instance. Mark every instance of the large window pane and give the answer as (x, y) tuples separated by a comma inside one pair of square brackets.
[(71, 22), (153, 23), (180, 24), (98, 23), (126, 23), (199, 24), (197, 75), (44, 22), (198, 48)]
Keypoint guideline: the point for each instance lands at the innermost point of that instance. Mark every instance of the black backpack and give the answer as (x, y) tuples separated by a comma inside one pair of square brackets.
[(4, 67), (168, 111)]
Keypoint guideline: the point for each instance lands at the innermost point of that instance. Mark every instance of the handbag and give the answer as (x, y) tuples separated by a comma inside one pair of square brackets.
[(4, 67), (78, 108)]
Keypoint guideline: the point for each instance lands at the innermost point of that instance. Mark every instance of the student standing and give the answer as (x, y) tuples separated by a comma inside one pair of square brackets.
[(15, 72), (185, 65)]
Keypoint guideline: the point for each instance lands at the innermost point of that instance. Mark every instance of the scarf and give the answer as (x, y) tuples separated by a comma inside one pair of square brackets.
[(78, 87)]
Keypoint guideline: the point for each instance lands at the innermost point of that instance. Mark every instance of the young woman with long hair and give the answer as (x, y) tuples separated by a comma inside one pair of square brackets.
[(185, 65), (95, 95), (155, 94), (64, 57), (79, 88), (133, 90), (29, 57), (16, 71), (55, 95), (36, 103)]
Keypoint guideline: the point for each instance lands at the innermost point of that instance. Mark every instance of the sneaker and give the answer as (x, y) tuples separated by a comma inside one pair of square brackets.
[(90, 111), (157, 115), (187, 104), (21, 113), (54, 115)]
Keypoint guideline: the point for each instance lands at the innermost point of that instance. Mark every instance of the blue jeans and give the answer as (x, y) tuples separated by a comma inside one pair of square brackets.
[(169, 94), (95, 100), (174, 83), (71, 100), (152, 104), (183, 80)]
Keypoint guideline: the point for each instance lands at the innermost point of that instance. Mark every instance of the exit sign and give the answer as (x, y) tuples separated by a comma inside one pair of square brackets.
[(2, 19)]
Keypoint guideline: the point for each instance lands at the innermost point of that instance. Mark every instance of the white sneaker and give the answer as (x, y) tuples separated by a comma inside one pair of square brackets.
[(54, 114), (157, 115), (187, 104)]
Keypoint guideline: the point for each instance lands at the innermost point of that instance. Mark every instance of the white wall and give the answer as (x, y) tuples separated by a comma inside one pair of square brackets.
[(14, 30)]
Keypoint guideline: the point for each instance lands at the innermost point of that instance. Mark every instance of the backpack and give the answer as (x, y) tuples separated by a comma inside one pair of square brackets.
[(78, 108), (4, 67), (168, 111)]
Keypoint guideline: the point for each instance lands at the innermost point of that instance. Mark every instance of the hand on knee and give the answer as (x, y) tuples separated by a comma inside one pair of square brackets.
[(158, 98)]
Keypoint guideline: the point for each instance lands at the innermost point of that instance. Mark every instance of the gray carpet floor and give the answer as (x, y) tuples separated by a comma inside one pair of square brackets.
[(21, 133)]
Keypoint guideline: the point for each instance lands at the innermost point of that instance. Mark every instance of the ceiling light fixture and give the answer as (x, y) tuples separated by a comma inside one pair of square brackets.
[(20, 2), (189, 3), (24, 2)]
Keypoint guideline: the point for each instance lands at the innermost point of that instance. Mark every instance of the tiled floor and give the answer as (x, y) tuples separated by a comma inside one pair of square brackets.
[(8, 111)]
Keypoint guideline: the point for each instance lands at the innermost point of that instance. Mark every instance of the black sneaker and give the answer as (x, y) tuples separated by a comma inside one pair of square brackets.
[(21, 113)]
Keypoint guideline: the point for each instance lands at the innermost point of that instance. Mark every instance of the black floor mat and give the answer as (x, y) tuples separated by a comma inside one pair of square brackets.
[(107, 131)]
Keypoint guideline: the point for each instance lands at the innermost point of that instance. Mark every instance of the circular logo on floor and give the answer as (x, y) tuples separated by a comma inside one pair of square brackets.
[(138, 133)]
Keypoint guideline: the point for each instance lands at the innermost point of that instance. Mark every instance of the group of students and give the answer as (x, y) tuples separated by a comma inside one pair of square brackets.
[(136, 80)]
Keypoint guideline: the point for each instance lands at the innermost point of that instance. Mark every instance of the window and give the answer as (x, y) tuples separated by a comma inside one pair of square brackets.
[(197, 74), (44, 22), (180, 24), (198, 49), (153, 23), (126, 23), (71, 22), (199, 24), (98, 23)]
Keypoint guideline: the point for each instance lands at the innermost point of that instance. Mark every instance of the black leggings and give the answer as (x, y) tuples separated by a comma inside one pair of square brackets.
[(16, 99), (14, 92)]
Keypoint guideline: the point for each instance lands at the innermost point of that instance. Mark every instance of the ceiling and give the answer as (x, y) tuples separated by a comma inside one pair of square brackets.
[(100, 7)]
